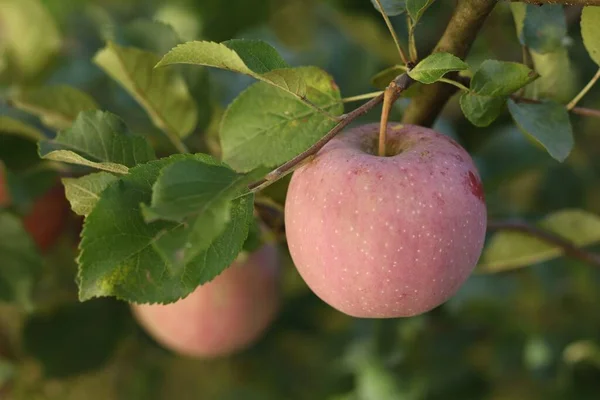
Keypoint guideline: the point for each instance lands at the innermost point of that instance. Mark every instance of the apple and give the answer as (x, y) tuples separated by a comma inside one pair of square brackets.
[(48, 216), (223, 316), (386, 237), (4, 198)]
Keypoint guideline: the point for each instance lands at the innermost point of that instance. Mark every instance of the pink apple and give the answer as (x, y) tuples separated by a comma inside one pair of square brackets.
[(386, 237), (223, 316)]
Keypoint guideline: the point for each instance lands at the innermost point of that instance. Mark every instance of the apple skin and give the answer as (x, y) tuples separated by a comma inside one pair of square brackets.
[(386, 237), (223, 316), (47, 218), (4, 198)]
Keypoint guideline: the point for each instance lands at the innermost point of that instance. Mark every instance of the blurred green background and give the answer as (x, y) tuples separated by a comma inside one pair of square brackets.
[(530, 333)]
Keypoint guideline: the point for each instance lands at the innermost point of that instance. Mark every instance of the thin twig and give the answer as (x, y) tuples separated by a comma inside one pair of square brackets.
[(326, 113), (466, 81), (587, 112), (360, 97), (402, 82), (455, 83), (584, 91), (569, 248), (392, 32)]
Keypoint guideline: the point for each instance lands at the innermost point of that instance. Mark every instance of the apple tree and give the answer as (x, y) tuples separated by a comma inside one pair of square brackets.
[(303, 199)]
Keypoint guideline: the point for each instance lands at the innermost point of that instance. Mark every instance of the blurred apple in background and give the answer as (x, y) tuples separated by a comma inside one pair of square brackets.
[(48, 216), (220, 317)]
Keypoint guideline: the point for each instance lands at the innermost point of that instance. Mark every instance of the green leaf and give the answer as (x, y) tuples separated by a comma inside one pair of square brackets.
[(75, 338), (100, 140), (21, 263), (558, 78), (500, 78), (435, 66), (544, 27), (265, 126), (30, 38), (259, 56), (254, 240), (83, 193), (192, 186), (122, 255), (151, 35), (57, 106), (416, 8), (548, 123), (11, 126), (481, 111), (510, 250), (383, 78), (250, 57), (162, 93), (590, 31), (391, 7)]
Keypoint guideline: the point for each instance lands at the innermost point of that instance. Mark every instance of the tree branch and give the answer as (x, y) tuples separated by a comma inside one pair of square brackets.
[(467, 20), (587, 112), (567, 246), (401, 83), (563, 2)]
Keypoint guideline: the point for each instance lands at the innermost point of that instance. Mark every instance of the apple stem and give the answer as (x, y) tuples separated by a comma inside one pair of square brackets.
[(401, 83), (388, 101)]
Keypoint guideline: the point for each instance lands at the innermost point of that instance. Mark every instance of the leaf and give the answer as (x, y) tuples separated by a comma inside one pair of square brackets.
[(383, 78), (11, 126), (558, 79), (558, 76), (21, 262), (57, 106), (435, 66), (70, 157), (83, 193), (548, 123), (254, 240), (265, 126), (192, 186), (30, 38), (151, 35), (544, 27), (500, 78), (259, 56), (481, 111), (100, 140), (510, 250), (590, 31), (250, 57), (390, 7), (162, 93), (416, 8), (121, 255), (75, 338)]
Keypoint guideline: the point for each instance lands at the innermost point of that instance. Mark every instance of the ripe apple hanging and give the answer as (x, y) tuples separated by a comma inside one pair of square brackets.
[(386, 237)]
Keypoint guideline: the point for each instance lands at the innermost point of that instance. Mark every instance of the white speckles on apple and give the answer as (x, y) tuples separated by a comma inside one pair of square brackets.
[(393, 239)]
